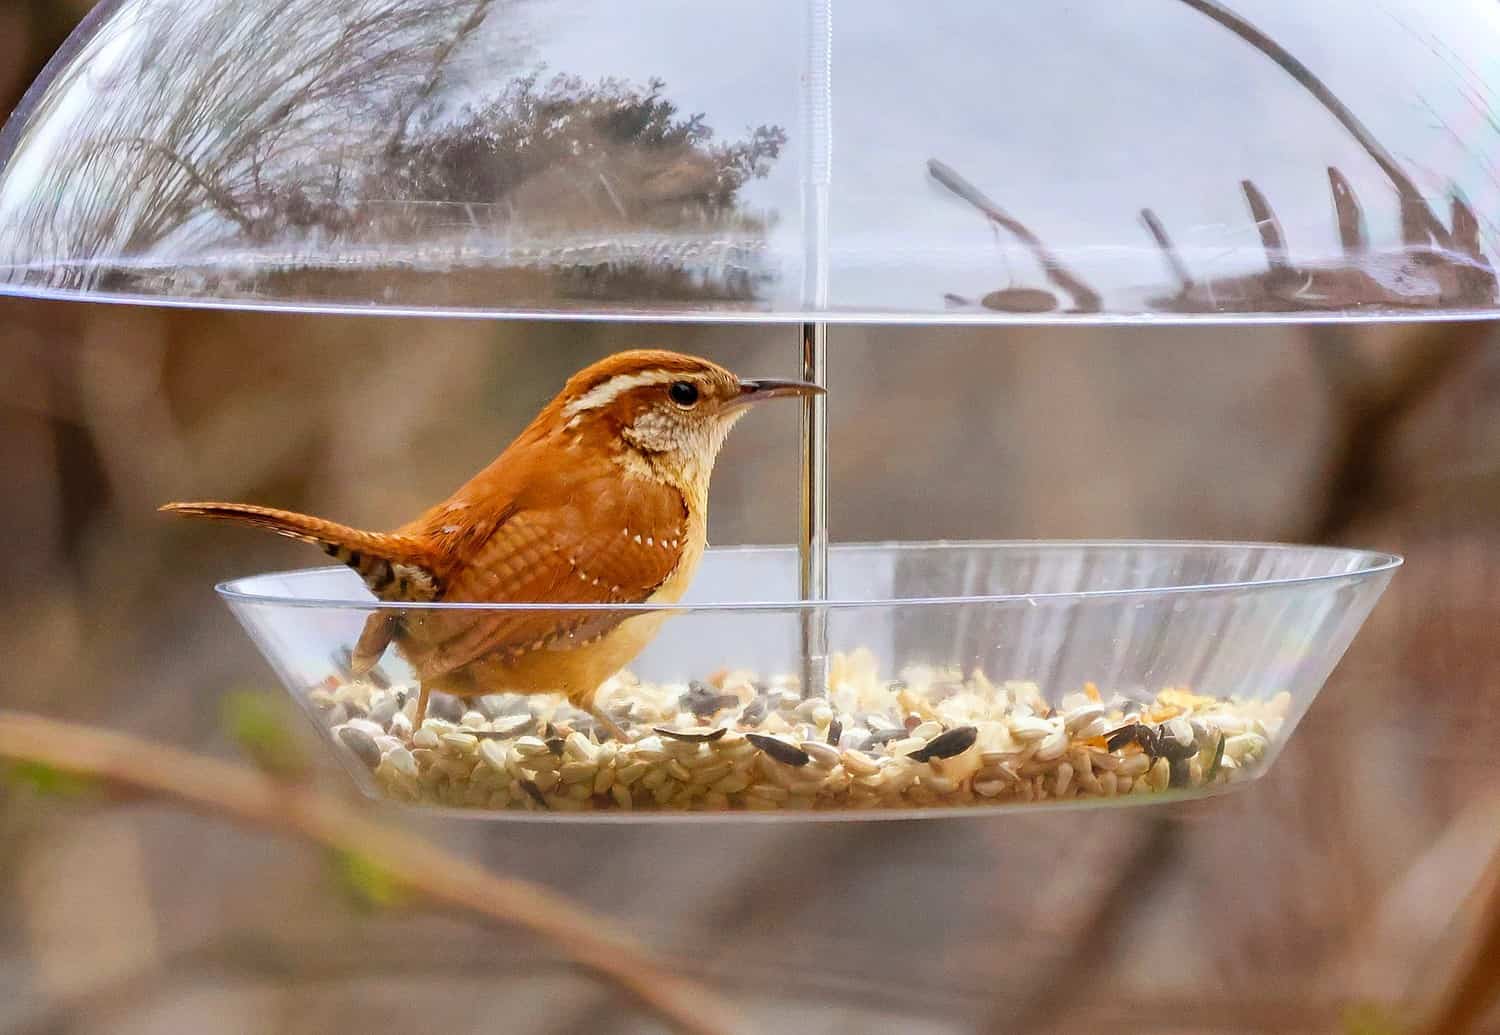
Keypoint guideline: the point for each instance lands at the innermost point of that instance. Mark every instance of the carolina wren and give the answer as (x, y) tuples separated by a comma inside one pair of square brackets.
[(603, 499)]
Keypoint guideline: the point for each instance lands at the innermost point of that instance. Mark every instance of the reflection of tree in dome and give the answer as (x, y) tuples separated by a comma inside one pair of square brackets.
[(195, 122), (1436, 265), (1423, 272), (585, 154), (243, 144)]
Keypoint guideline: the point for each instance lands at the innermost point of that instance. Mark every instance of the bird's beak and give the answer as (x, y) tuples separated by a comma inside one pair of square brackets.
[(754, 391)]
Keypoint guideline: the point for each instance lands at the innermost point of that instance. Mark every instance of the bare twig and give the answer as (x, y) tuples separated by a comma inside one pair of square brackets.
[(221, 198), (1168, 250), (1410, 195), (1350, 215), (1271, 237), (1085, 298), (475, 19), (217, 788)]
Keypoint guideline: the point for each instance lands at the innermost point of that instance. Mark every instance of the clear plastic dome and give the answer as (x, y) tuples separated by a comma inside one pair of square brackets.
[(1021, 161)]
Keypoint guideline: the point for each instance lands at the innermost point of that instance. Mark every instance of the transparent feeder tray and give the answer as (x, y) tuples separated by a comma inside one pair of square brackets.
[(961, 677)]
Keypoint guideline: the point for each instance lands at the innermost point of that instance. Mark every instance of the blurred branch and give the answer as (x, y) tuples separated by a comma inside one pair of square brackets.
[(1139, 878), (285, 964), (1085, 298), (141, 769), (1475, 985), (1435, 351)]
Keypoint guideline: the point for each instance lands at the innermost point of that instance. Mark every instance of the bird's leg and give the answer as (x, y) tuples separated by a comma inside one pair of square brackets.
[(422, 695), (609, 724)]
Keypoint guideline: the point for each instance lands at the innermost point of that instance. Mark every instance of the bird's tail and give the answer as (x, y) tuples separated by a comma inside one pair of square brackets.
[(391, 565)]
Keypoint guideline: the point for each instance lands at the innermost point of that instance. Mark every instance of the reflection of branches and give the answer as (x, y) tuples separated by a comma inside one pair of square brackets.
[(221, 198), (136, 768), (240, 117), (1085, 298), (1412, 276), (1436, 265), (1337, 108), (1169, 250), (571, 151), (434, 76)]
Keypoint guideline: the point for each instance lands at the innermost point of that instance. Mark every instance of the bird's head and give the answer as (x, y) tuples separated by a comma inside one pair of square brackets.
[(663, 411)]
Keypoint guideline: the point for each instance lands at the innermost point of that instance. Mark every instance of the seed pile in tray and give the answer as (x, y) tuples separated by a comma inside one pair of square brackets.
[(930, 738)]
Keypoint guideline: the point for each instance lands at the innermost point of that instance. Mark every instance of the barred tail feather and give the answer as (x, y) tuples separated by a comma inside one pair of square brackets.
[(390, 564)]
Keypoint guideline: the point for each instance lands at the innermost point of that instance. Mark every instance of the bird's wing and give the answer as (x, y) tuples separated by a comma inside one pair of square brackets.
[(589, 551)]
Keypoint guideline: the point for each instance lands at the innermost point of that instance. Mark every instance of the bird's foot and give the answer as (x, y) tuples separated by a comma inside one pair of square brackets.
[(609, 724)]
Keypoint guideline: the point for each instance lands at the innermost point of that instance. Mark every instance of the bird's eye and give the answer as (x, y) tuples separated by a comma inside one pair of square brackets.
[(683, 393)]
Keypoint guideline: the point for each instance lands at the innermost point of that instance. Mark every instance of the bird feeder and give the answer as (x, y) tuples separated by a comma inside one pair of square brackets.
[(1027, 163)]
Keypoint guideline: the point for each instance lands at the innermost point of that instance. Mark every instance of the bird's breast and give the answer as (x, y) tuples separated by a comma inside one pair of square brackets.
[(676, 584)]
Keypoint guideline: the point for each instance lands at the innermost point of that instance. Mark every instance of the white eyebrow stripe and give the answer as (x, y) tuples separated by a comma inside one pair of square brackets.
[(608, 391)]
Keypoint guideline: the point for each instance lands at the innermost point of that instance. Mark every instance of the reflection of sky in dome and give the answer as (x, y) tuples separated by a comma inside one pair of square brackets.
[(104, 54), (1072, 116)]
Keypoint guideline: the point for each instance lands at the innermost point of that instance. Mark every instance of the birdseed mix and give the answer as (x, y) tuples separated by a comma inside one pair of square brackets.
[(931, 738)]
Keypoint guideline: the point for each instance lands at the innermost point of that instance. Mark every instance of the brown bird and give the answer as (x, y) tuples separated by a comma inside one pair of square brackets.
[(603, 499)]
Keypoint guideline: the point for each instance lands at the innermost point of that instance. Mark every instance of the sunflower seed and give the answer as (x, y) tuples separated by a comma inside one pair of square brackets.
[(402, 761), (577, 747), (366, 726), (1054, 745), (886, 734), (780, 750), (1181, 731), (754, 713), (1078, 718), (926, 730), (945, 745), (821, 753), (692, 736), (530, 747), (362, 744), (508, 727), (383, 710), (493, 755), (1027, 729), (704, 700)]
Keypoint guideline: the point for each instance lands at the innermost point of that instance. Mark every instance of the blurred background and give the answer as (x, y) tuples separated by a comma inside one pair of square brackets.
[(1337, 888)]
